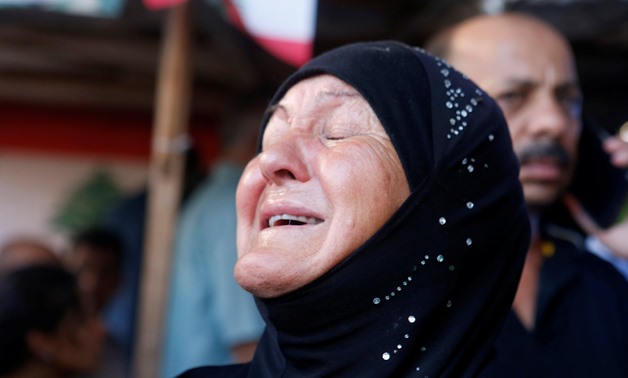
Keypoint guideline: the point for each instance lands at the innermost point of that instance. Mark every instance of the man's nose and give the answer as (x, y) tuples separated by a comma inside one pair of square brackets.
[(550, 119)]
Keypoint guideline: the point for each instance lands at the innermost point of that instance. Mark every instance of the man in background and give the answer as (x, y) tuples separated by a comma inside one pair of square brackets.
[(96, 258), (569, 313)]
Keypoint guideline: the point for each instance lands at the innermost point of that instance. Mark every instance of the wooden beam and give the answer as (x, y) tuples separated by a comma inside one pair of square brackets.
[(165, 177), (76, 91), (46, 52), (111, 93)]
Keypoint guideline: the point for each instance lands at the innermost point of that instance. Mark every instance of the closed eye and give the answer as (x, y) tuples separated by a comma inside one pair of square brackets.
[(339, 131)]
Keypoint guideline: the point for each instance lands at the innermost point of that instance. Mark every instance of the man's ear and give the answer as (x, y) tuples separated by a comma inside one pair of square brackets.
[(41, 345)]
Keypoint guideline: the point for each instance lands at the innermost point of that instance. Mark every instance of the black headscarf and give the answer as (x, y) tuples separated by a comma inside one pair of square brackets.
[(427, 294)]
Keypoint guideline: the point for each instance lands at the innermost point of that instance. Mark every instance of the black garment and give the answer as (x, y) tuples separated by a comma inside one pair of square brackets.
[(600, 186), (427, 294), (604, 199), (581, 320)]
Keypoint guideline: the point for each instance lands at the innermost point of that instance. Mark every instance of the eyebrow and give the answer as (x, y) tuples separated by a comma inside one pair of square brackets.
[(271, 109), (341, 93), (527, 83)]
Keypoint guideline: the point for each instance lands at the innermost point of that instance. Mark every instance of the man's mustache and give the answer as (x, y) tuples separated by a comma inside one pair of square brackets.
[(545, 151)]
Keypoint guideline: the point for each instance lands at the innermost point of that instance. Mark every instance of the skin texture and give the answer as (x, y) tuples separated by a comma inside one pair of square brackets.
[(325, 155), (618, 150), (529, 69)]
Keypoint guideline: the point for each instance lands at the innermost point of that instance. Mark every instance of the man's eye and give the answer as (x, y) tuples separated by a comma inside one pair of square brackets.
[(572, 104), (510, 96), (511, 101)]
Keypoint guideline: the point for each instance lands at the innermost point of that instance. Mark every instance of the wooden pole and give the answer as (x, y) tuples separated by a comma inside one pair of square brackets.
[(165, 181)]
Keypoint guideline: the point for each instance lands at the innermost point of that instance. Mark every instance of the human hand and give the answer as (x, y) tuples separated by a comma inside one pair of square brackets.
[(618, 151), (614, 238)]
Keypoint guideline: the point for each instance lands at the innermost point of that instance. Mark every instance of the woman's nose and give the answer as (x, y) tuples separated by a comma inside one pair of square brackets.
[(283, 161)]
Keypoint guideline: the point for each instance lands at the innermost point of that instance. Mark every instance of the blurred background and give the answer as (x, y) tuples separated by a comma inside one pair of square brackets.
[(78, 81)]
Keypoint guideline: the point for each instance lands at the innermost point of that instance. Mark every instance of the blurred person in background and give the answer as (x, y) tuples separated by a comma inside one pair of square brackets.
[(569, 313), (96, 257), (46, 330)]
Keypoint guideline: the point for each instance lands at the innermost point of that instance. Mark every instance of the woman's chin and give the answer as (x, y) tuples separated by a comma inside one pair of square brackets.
[(264, 276)]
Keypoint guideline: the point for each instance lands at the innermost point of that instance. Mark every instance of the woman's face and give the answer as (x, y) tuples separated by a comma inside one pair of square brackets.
[(327, 179)]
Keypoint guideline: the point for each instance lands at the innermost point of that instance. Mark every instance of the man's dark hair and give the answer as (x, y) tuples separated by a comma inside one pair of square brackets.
[(100, 240)]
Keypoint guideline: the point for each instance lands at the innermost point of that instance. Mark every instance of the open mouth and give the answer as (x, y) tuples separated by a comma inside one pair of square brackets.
[(292, 220)]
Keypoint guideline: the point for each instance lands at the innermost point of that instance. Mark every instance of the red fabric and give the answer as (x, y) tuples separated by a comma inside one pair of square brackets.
[(293, 52), (96, 133), (292, 49), (159, 4)]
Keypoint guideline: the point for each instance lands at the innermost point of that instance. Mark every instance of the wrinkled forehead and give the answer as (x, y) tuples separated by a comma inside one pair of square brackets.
[(318, 95), (319, 89), (350, 69)]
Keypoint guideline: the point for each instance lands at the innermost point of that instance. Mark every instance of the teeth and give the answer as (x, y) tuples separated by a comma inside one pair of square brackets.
[(291, 218)]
